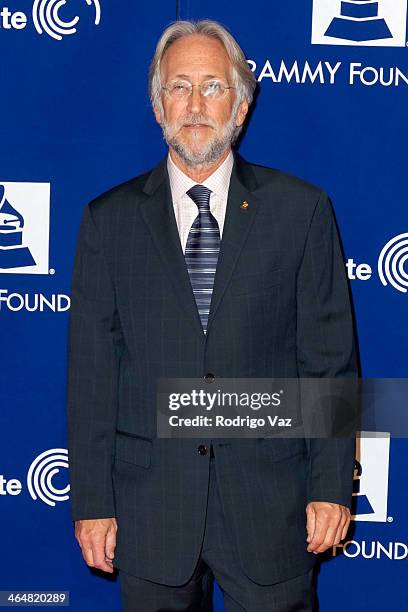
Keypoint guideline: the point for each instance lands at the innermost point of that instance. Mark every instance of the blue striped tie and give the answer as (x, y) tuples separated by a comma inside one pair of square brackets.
[(202, 249)]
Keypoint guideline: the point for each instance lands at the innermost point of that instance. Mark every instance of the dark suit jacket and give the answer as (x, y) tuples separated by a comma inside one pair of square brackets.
[(280, 308)]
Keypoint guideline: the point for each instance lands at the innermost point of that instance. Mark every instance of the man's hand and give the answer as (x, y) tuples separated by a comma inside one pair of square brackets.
[(97, 539), (326, 525)]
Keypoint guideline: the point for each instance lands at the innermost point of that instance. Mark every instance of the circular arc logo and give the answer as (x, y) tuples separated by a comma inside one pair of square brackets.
[(392, 261), (40, 475), (46, 18)]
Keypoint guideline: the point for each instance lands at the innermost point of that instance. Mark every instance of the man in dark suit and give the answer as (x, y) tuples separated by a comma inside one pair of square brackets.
[(205, 267)]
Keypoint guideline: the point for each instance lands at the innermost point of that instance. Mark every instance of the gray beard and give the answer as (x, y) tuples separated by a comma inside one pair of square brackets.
[(210, 153)]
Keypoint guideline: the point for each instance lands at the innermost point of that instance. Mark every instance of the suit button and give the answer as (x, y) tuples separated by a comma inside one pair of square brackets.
[(209, 377), (202, 449)]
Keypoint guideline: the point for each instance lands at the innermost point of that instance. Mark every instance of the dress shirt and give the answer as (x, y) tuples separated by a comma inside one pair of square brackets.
[(185, 210)]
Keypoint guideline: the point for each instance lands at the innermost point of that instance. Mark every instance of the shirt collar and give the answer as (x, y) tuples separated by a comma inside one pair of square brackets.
[(218, 181)]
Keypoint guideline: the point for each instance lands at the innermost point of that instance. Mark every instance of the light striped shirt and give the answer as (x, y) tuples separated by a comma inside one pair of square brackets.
[(185, 210)]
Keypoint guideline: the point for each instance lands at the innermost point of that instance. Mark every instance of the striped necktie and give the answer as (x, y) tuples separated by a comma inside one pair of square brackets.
[(202, 249)]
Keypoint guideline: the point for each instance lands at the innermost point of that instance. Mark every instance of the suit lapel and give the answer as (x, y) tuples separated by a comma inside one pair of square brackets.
[(237, 224), (158, 213)]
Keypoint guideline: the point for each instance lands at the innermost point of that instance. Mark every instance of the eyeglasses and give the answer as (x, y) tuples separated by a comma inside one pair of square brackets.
[(213, 90)]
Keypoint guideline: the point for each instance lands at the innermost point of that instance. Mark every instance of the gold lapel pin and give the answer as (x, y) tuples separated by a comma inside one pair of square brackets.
[(244, 205)]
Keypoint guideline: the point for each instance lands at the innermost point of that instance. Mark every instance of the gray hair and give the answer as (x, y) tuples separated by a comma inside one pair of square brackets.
[(243, 78)]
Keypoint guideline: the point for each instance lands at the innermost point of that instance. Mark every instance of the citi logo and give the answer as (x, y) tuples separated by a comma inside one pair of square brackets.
[(359, 22), (47, 19)]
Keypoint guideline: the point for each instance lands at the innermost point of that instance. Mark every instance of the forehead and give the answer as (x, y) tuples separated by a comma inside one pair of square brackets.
[(196, 54)]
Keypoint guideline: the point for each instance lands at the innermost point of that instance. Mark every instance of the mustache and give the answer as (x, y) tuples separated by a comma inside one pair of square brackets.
[(195, 120)]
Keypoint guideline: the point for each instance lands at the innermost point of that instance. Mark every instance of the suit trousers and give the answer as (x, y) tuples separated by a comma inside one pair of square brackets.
[(218, 560)]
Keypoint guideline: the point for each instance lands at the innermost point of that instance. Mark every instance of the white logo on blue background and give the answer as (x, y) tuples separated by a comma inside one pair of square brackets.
[(360, 504), (24, 228), (356, 22), (370, 487), (41, 473), (47, 19), (392, 262)]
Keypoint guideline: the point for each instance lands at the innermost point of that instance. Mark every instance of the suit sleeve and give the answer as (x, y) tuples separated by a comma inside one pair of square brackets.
[(93, 367), (326, 347)]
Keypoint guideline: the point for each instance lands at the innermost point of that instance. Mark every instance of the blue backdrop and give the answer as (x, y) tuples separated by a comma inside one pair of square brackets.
[(76, 120)]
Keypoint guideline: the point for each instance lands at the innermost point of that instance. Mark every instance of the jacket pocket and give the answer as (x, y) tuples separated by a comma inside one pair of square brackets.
[(132, 449), (279, 449), (255, 282)]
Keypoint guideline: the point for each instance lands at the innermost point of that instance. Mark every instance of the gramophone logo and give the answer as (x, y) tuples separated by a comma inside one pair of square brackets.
[(360, 22), (360, 504), (370, 485), (24, 227)]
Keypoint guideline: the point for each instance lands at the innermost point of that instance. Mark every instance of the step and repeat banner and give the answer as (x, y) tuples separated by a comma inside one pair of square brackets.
[(76, 120)]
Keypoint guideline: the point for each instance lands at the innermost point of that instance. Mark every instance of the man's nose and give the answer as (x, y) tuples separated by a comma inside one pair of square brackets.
[(195, 100)]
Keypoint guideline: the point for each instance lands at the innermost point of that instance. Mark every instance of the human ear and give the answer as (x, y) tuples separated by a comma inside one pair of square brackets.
[(157, 114), (242, 112)]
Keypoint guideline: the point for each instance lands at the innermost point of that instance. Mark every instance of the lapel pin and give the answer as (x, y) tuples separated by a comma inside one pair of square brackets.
[(244, 205)]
